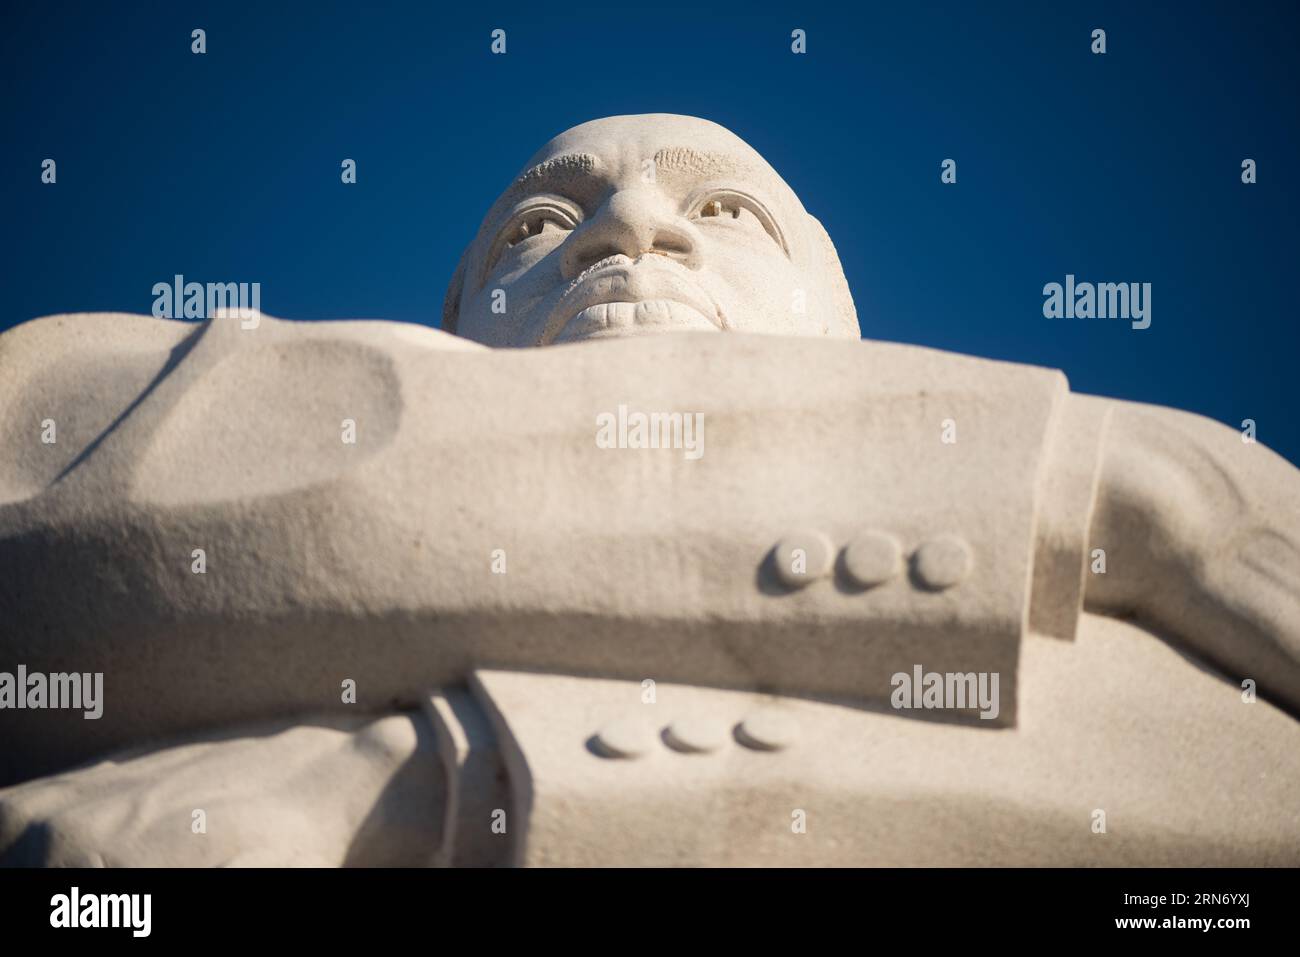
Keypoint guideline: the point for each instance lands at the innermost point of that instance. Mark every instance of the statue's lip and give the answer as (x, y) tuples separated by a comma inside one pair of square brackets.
[(648, 281), (622, 318)]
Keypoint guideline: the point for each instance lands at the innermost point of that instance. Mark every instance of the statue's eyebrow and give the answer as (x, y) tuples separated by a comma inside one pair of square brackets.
[(686, 159), (553, 174)]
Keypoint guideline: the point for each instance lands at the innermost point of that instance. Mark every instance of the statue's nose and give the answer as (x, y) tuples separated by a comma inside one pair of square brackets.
[(631, 222)]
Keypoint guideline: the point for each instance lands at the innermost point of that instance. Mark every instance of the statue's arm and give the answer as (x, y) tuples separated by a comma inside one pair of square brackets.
[(361, 791), (1201, 534)]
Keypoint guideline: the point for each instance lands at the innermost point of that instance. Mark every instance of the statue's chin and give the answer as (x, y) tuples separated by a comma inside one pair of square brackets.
[(609, 319)]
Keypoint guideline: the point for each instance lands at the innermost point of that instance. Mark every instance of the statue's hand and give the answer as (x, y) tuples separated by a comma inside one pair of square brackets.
[(364, 792), (1202, 538)]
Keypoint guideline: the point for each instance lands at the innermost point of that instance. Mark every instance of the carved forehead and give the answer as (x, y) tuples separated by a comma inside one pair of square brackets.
[(684, 144), (647, 134)]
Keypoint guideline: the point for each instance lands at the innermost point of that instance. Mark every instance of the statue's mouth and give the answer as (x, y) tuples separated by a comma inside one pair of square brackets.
[(619, 296)]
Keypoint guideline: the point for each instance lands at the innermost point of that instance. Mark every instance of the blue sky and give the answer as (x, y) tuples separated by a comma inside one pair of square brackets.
[(1118, 168)]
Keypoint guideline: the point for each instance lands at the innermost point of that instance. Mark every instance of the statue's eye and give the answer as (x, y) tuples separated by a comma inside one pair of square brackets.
[(534, 230), (718, 207), (737, 208), (722, 210), (535, 222)]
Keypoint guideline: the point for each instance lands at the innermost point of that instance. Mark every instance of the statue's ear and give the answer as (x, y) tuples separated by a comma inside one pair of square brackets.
[(451, 301), (844, 318)]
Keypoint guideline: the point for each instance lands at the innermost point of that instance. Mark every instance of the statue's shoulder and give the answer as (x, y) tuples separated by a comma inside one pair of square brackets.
[(111, 336), (34, 344), (103, 357), (64, 379), (954, 368), (67, 381)]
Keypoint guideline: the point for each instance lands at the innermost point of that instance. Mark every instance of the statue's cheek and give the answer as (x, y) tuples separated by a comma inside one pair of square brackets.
[(506, 299), (759, 292)]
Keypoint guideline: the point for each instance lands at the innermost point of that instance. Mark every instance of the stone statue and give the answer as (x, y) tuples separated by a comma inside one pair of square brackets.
[(369, 593)]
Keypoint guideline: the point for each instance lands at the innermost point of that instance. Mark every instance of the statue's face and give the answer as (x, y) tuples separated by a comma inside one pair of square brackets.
[(643, 224)]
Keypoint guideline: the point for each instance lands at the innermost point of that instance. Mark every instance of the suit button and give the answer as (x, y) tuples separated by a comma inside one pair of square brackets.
[(803, 556), (695, 735), (942, 562), (766, 731), (872, 559), (627, 738)]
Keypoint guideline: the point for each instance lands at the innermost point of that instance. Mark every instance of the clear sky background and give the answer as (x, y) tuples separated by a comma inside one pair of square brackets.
[(1122, 167)]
